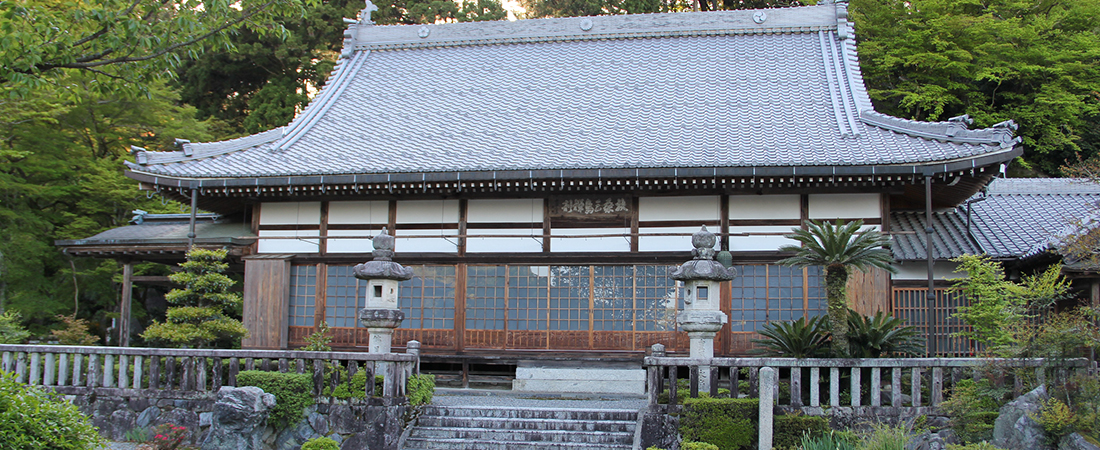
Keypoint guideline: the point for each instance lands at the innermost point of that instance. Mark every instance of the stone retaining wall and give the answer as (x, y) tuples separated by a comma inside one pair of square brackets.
[(355, 425)]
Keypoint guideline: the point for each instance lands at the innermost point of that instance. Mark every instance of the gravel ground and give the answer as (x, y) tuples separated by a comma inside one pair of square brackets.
[(501, 398), (121, 446)]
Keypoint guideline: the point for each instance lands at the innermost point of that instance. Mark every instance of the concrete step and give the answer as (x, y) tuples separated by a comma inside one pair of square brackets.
[(482, 444), (531, 413), (499, 423), (587, 379), (537, 436)]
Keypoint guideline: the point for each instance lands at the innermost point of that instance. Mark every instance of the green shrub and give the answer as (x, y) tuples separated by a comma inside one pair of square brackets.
[(973, 407), (356, 387), (729, 423), (688, 445), (293, 393), (321, 443), (33, 418), (420, 389), (832, 440), (790, 429), (1057, 420), (683, 391)]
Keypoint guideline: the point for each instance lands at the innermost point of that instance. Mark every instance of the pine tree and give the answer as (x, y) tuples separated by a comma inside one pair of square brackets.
[(198, 318)]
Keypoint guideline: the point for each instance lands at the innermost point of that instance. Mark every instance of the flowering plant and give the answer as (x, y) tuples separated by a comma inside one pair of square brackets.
[(167, 437)]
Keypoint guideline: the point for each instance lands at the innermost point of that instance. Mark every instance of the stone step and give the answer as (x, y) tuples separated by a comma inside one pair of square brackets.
[(534, 436), (527, 424), (589, 379), (481, 444), (531, 413)]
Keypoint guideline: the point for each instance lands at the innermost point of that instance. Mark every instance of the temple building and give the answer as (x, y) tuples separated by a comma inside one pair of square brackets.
[(543, 178)]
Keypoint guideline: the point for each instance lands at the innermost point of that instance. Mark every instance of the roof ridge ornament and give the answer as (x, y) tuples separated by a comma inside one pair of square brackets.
[(842, 20), (957, 124)]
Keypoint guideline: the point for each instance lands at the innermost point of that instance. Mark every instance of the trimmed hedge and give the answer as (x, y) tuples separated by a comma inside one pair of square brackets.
[(420, 389), (788, 430), (729, 423), (698, 446), (293, 393)]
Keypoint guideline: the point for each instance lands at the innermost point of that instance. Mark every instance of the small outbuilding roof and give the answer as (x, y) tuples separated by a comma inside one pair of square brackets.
[(740, 91), (1015, 218)]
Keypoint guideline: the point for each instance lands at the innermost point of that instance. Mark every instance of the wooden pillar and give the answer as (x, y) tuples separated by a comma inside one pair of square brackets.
[(127, 294)]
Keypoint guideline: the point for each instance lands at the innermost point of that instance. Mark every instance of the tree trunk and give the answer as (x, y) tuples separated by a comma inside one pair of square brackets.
[(836, 292)]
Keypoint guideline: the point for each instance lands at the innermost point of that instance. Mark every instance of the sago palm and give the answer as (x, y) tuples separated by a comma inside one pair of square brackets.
[(839, 248)]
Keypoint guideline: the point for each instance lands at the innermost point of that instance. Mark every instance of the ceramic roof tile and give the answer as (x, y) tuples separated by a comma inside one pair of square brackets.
[(1018, 218), (740, 97)]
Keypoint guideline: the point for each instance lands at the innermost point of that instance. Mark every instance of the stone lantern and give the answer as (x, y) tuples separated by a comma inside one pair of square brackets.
[(382, 275), (702, 316)]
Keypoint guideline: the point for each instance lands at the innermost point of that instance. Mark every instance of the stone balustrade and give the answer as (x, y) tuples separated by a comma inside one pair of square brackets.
[(76, 370), (913, 384)]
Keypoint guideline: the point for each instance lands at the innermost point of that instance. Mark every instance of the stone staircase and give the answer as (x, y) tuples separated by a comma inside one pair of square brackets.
[(492, 428)]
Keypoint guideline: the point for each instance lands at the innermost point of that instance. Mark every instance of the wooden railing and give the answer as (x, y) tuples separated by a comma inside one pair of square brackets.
[(923, 379), (75, 369)]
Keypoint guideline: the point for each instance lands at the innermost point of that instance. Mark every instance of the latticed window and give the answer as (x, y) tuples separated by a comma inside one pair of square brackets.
[(344, 296), (428, 299), (768, 293), (303, 292)]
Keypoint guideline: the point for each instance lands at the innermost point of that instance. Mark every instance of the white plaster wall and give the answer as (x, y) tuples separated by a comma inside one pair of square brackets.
[(845, 206), (302, 245), (358, 245), (918, 270), (765, 207), (365, 212), (668, 243), (442, 241), (290, 213), (594, 244), (760, 238), (702, 208), (427, 211), (504, 211), (531, 244)]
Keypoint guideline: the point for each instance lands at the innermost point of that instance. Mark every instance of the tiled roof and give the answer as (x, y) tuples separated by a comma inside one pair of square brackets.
[(949, 238), (1018, 218), (767, 88)]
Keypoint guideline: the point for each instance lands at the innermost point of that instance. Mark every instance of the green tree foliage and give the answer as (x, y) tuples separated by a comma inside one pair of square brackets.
[(267, 78), (11, 330), (197, 317), (121, 44), (1036, 62), (61, 177), (839, 248), (30, 418), (998, 308)]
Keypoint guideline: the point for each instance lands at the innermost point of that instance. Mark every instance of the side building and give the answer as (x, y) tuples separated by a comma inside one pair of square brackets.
[(542, 177)]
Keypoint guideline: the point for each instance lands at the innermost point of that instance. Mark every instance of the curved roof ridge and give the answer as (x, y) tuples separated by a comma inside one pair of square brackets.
[(954, 129), (1042, 186), (367, 36), (200, 150), (344, 71)]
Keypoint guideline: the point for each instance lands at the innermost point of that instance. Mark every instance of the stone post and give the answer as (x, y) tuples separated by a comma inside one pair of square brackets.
[(382, 276), (702, 316), (767, 406)]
